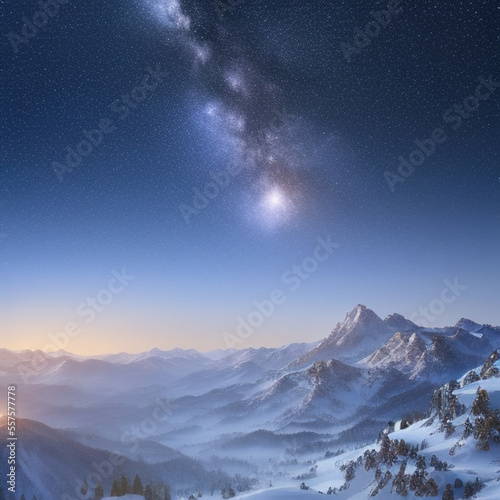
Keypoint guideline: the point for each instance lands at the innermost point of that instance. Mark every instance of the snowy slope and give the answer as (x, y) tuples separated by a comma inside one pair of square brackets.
[(280, 493), (465, 462), (126, 497), (424, 447)]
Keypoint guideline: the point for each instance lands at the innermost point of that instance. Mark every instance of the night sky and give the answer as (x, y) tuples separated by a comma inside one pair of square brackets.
[(224, 155)]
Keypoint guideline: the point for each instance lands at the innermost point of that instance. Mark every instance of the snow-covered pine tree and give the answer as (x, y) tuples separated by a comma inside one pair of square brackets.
[(481, 404), (488, 370), (401, 481), (487, 422)]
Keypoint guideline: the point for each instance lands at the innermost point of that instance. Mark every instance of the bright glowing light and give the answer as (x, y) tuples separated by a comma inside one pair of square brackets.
[(275, 199), (275, 207)]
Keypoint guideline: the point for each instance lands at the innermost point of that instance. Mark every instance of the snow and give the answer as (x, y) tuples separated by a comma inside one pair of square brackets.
[(467, 394), (279, 493), (126, 497), (467, 462)]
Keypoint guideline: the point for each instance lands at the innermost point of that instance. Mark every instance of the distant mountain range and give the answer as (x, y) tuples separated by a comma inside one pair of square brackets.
[(53, 463), (201, 408)]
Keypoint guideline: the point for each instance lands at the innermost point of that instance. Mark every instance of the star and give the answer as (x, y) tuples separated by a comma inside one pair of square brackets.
[(275, 199)]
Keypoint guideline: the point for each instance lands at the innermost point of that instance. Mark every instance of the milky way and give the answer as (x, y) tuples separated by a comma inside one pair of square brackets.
[(241, 109)]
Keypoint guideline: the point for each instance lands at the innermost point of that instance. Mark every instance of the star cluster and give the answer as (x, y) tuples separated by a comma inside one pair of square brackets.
[(242, 111)]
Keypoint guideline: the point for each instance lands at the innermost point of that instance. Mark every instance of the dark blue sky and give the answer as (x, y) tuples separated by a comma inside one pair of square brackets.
[(308, 113)]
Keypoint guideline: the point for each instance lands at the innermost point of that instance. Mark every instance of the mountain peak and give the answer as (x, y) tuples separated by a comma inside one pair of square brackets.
[(468, 324), (359, 312), (399, 323), (394, 316), (361, 332)]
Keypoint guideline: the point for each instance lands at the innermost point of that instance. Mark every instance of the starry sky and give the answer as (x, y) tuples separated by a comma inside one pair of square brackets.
[(244, 172)]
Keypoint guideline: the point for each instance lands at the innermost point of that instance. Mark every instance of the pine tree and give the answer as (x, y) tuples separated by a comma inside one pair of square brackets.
[(401, 480), (447, 425), (420, 462), (387, 451), (99, 491), (148, 492), (482, 433), (370, 459), (124, 486), (489, 364), (468, 429), (469, 490), (487, 423), (431, 488), (137, 488), (115, 489), (228, 492), (481, 404), (416, 482), (168, 496), (350, 470), (402, 448)]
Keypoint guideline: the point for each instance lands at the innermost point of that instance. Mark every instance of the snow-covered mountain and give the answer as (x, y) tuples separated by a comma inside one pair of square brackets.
[(458, 445), (397, 342), (423, 354), (454, 449), (322, 397), (300, 399), (399, 323), (361, 332), (189, 355), (469, 325)]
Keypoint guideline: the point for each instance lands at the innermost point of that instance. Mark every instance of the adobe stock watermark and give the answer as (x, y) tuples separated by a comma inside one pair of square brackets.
[(85, 490), (363, 38), (220, 180), (456, 116), (39, 20), (427, 315), (293, 277), (224, 6), (88, 310), (122, 108)]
